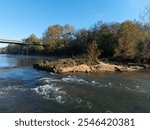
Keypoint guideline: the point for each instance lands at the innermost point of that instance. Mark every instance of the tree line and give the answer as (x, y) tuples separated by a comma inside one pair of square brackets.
[(129, 40)]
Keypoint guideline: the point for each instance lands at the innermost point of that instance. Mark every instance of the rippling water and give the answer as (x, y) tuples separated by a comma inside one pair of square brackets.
[(25, 89)]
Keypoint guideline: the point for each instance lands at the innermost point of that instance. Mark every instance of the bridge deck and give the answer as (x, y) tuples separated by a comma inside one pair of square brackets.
[(17, 42)]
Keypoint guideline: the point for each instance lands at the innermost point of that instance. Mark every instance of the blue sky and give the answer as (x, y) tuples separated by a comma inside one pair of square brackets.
[(20, 18)]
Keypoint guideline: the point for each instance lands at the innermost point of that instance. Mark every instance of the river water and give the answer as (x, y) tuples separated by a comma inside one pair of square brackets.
[(25, 89)]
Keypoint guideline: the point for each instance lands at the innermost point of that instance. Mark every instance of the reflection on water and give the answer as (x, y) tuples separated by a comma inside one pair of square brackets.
[(24, 89), (7, 62)]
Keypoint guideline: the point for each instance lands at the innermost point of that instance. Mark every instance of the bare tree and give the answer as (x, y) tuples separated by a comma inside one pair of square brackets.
[(145, 16)]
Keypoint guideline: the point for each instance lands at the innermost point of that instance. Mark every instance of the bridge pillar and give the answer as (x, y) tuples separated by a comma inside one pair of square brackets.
[(21, 47), (27, 50)]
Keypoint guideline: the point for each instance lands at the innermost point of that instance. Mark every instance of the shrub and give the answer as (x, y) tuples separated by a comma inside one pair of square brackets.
[(93, 53)]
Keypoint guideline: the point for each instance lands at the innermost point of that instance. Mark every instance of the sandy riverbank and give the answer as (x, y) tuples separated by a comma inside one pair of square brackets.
[(70, 66)]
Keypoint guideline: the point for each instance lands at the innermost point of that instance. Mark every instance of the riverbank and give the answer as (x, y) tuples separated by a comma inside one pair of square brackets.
[(70, 65)]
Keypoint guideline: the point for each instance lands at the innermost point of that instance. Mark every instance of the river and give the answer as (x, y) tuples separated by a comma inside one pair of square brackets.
[(25, 89)]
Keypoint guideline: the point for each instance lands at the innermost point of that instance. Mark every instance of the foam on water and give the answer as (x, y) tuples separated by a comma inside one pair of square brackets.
[(13, 88), (9, 90), (49, 80), (89, 105), (52, 88), (50, 92), (1, 94), (79, 80), (74, 79), (138, 89), (109, 84), (98, 84), (94, 82)]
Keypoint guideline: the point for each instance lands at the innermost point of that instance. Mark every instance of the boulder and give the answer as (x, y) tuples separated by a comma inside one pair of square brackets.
[(119, 69)]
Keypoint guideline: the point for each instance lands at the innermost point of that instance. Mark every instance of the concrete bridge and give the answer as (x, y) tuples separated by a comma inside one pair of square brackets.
[(21, 43)]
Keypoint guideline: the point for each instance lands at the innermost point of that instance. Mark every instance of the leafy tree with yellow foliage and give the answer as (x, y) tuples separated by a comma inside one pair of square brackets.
[(129, 36)]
